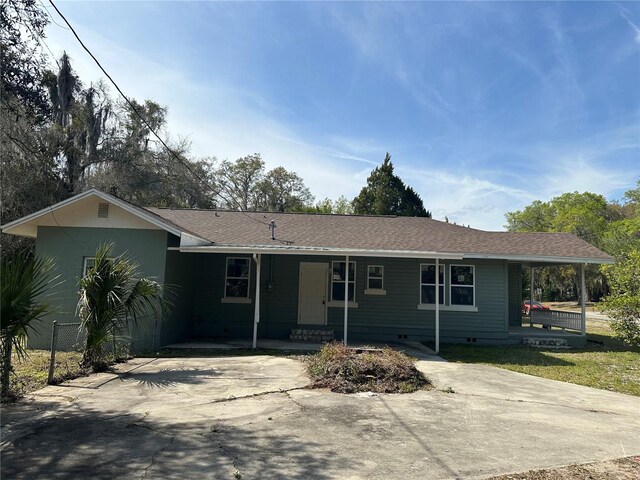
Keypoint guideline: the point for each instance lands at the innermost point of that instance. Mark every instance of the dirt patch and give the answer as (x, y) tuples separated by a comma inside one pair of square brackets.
[(30, 373), (350, 370), (621, 469)]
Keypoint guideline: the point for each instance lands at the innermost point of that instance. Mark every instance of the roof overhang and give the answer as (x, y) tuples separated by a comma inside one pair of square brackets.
[(27, 226), (315, 251), (540, 260), (324, 251)]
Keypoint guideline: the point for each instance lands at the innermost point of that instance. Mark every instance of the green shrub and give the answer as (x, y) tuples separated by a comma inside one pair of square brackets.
[(623, 303), (345, 370)]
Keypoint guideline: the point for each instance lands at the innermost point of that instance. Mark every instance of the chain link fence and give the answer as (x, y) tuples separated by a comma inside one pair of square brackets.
[(70, 337), (65, 337)]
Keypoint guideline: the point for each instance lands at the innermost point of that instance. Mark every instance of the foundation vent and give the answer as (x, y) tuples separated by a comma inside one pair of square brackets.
[(103, 210)]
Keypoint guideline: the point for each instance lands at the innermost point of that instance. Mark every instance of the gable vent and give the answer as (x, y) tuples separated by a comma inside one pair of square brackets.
[(103, 210)]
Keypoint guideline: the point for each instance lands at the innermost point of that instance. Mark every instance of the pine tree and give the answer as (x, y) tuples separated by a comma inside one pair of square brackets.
[(386, 194)]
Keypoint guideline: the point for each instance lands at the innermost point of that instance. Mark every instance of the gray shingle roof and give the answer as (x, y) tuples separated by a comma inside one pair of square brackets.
[(362, 232)]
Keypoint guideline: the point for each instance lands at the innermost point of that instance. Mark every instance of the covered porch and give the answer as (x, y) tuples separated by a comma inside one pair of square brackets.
[(546, 323), (279, 292)]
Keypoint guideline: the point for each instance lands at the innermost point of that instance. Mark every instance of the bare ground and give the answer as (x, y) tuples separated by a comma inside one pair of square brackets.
[(621, 469)]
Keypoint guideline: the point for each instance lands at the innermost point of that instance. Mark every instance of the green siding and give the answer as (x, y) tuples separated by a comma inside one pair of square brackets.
[(180, 287), (396, 314), (389, 317), (69, 246), (515, 294), (199, 288)]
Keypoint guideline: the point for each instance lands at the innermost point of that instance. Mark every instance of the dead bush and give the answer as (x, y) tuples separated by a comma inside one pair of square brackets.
[(349, 370)]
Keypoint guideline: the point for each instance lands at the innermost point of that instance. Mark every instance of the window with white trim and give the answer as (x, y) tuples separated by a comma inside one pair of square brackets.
[(236, 282), (462, 288), (89, 262), (338, 278), (375, 278), (428, 284)]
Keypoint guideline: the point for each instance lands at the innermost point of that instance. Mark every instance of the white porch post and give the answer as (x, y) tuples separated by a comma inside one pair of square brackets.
[(346, 297), (256, 312), (437, 305), (583, 294), (533, 276)]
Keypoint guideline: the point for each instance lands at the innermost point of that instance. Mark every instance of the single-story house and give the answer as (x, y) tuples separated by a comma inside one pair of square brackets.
[(257, 275)]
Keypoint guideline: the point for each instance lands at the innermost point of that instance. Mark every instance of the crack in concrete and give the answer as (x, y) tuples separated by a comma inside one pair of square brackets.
[(300, 406), (295, 402), (153, 457), (140, 425), (258, 394), (226, 453), (514, 400)]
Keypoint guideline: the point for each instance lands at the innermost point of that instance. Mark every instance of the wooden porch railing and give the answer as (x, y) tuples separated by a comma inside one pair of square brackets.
[(557, 318)]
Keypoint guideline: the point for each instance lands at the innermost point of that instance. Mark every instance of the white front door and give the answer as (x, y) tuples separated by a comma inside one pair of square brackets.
[(312, 297)]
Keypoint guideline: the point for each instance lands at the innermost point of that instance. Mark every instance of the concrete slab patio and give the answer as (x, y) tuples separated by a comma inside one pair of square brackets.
[(249, 417)]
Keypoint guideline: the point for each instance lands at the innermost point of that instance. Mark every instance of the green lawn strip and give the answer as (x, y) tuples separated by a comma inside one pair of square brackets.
[(604, 363)]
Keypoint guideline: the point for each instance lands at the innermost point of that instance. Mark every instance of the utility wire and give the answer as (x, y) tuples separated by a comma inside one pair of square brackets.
[(129, 102), (51, 16), (144, 120), (39, 41)]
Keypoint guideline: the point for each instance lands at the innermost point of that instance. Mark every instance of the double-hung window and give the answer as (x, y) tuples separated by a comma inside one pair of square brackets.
[(375, 280), (236, 283), (462, 278), (428, 284), (338, 278), (89, 263), (457, 285)]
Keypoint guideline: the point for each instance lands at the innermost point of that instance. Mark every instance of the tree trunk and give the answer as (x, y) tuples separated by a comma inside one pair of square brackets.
[(6, 366), (92, 355)]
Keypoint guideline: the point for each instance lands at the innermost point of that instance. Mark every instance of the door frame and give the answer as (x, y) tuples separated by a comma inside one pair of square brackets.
[(326, 290)]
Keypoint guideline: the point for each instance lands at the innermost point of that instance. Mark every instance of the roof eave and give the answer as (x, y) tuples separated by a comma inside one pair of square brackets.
[(542, 258), (149, 217), (307, 250), (315, 251)]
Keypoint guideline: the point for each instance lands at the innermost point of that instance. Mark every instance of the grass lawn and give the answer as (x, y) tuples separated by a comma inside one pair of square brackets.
[(604, 363), (31, 373)]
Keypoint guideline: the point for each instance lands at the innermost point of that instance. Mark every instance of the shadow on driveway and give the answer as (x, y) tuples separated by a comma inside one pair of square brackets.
[(105, 444)]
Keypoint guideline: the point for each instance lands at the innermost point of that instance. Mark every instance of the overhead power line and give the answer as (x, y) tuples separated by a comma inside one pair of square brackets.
[(129, 102), (51, 16), (144, 120)]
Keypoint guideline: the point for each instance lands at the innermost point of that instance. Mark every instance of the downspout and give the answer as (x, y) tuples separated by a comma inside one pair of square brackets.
[(437, 305), (346, 297), (256, 314)]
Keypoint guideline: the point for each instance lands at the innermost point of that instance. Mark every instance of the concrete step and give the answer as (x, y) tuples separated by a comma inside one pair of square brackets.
[(548, 342), (311, 335)]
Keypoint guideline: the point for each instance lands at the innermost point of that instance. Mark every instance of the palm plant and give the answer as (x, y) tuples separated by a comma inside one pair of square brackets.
[(112, 295), (26, 279)]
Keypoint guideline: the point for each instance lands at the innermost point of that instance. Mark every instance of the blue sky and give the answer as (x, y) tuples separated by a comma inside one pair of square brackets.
[(484, 107)]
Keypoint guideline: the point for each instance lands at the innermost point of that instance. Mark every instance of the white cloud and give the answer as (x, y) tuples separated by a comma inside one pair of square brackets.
[(466, 199), (228, 122), (624, 13)]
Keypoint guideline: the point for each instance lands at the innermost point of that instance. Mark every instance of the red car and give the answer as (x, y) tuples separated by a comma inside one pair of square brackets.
[(526, 305)]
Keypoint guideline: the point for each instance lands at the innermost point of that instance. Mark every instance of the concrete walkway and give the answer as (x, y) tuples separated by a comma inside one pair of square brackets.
[(249, 417)]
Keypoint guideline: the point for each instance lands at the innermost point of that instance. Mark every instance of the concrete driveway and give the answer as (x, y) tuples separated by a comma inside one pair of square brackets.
[(250, 418)]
